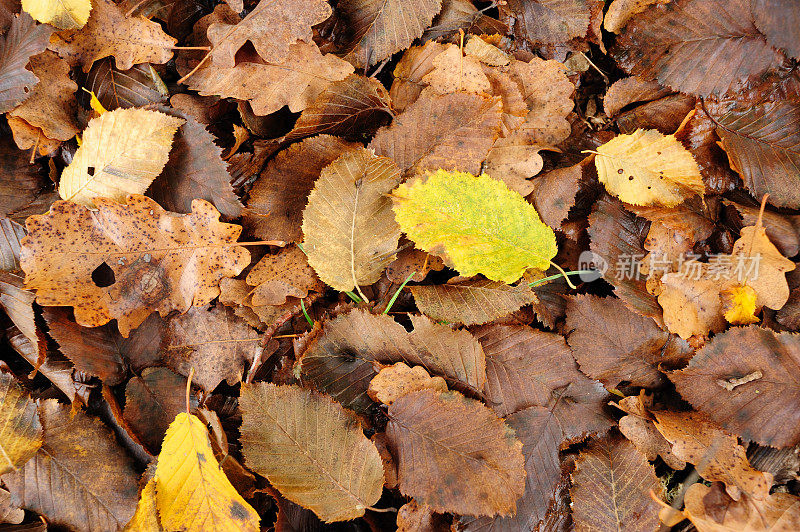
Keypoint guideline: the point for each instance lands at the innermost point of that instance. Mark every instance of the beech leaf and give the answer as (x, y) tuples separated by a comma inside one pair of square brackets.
[(20, 430), (311, 449), (23, 40), (476, 224), (63, 14)]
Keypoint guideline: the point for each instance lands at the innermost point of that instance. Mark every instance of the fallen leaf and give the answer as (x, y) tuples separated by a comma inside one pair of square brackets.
[(122, 152), (489, 230), (621, 11), (451, 132), (24, 39), (8, 512), (217, 344), (547, 21), (10, 234), (412, 262), (20, 181), (462, 14), (285, 274), (130, 40), (416, 63), (271, 27), (778, 20), (782, 230), (115, 88), (80, 478), (299, 440), (17, 302), (633, 89), (761, 410), (415, 517), (648, 168), (717, 48), (471, 302), (146, 515), (612, 344), (665, 114), (691, 301), (454, 72), (611, 488), (639, 428), (398, 379), (382, 27), (20, 432), (478, 472), (716, 455), (710, 509), (180, 264), (64, 15), (739, 305), (192, 492), (195, 169), (553, 193)]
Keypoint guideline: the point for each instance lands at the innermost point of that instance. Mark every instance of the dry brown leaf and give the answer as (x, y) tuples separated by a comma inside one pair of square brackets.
[(80, 478), (716, 455), (692, 305), (349, 230), (195, 170), (296, 82), (710, 509), (130, 40), (487, 53), (20, 181), (415, 64), (28, 137), (769, 279), (454, 72), (451, 132), (20, 430), (639, 428), (300, 441), (272, 26), (217, 344), (612, 344), (782, 230), (24, 39), (175, 270), (413, 261), (472, 302), (285, 274), (415, 517), (553, 193), (717, 48), (10, 234), (17, 302), (761, 410), (633, 89), (611, 488), (235, 293), (665, 115), (51, 106), (9, 513), (778, 20), (398, 379), (547, 21), (115, 88), (462, 15), (382, 27), (621, 11), (275, 208), (454, 454)]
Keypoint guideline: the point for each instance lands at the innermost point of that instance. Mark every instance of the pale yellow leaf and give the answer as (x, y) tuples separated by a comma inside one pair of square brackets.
[(63, 14), (20, 430)]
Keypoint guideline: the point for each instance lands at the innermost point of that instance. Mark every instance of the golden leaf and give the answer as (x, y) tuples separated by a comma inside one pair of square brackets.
[(63, 14), (20, 430), (739, 305)]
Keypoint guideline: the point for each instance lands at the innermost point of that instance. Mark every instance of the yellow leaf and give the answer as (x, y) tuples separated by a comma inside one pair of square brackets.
[(648, 168), (146, 516), (122, 152), (20, 430), (192, 492), (63, 14), (763, 266), (739, 305), (476, 224)]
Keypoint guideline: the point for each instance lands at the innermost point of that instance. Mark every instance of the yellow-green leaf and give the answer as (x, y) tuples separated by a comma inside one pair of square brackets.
[(192, 492), (20, 430), (122, 152), (648, 168), (310, 449), (146, 516), (63, 14), (476, 224)]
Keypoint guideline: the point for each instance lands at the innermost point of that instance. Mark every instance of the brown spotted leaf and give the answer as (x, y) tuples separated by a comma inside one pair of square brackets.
[(761, 410), (455, 455), (611, 488), (161, 261)]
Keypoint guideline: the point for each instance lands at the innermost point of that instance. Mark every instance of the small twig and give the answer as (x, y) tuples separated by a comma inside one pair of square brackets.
[(733, 382)]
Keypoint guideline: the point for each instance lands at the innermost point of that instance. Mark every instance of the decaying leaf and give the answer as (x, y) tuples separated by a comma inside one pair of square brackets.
[(415, 64), (64, 15), (620, 11), (122, 152), (454, 72), (285, 274), (24, 39), (398, 379), (350, 232), (311, 449), (638, 426), (455, 455), (115, 88), (489, 230), (548, 21), (20, 430), (161, 261), (192, 491), (778, 20), (611, 488), (710, 509)]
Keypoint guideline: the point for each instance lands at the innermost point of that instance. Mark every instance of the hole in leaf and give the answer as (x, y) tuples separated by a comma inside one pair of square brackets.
[(90, 170), (103, 276)]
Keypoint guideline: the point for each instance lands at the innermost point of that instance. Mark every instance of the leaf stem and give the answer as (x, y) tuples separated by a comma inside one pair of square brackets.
[(397, 293), (562, 274), (189, 388)]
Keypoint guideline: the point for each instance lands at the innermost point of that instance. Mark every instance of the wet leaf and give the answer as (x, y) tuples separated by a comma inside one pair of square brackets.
[(710, 509)]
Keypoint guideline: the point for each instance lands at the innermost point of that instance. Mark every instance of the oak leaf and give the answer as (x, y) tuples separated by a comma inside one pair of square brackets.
[(760, 410), (192, 491), (476, 224), (717, 48), (300, 441), (383, 27), (277, 199), (80, 478), (451, 132), (611, 488), (24, 39), (349, 229), (272, 26), (20, 430), (398, 379), (130, 40), (648, 168), (122, 152), (162, 261), (64, 15), (455, 455)]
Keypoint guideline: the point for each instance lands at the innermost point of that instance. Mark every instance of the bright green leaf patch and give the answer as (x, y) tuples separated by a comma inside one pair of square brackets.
[(476, 224)]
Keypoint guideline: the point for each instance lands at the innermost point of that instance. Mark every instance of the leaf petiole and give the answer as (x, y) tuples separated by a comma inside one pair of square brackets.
[(397, 293), (562, 274)]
